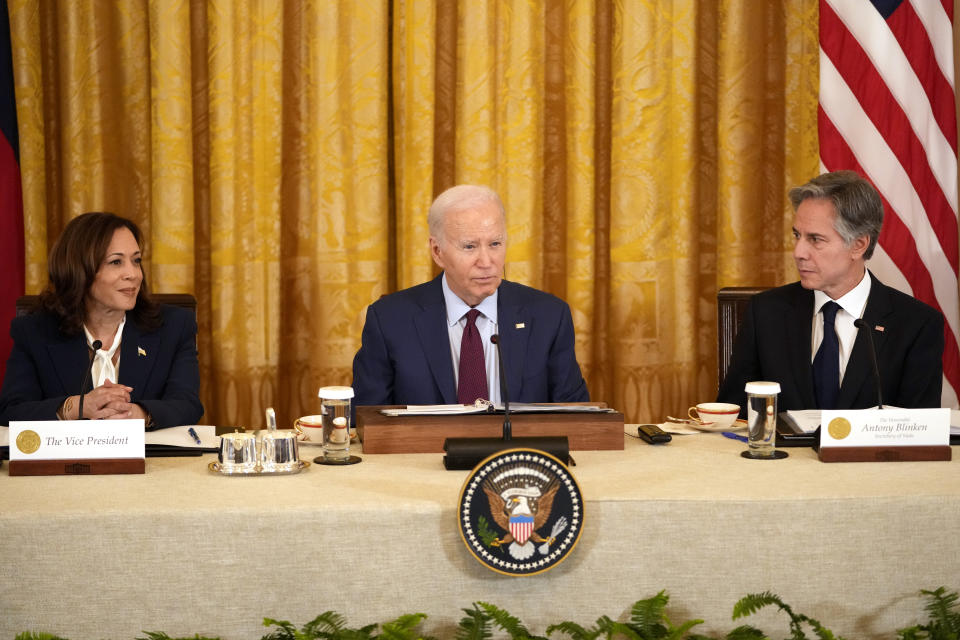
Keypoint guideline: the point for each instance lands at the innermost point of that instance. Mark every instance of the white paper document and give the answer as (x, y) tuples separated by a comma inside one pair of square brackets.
[(487, 407), (802, 421), (180, 436)]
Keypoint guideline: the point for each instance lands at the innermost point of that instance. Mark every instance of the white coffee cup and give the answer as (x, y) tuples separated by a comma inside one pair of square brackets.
[(715, 414), (310, 428)]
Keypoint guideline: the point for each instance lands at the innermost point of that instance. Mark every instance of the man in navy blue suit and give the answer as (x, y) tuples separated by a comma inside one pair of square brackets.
[(412, 339), (793, 333)]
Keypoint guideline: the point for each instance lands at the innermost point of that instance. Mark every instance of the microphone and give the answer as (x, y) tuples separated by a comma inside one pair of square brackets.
[(507, 427), (860, 323), (86, 376), (467, 453)]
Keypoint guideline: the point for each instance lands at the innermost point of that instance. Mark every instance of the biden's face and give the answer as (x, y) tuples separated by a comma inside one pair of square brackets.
[(471, 250)]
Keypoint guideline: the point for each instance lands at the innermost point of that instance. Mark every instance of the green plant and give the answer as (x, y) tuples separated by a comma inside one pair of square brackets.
[(478, 624), (752, 603), (944, 621), (333, 626), (648, 621)]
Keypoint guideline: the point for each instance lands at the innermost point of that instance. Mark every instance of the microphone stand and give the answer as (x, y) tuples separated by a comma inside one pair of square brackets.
[(467, 453), (507, 427), (860, 323), (86, 376)]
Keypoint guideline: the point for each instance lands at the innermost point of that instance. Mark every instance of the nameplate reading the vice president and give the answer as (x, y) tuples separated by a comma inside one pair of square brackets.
[(76, 439)]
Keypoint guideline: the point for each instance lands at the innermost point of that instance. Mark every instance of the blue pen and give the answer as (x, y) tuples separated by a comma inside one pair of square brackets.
[(193, 434), (734, 436)]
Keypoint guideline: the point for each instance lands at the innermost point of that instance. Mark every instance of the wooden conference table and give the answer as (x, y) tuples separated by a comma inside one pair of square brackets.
[(182, 550)]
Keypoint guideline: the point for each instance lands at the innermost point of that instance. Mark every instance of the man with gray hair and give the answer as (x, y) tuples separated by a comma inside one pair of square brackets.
[(431, 344), (803, 335)]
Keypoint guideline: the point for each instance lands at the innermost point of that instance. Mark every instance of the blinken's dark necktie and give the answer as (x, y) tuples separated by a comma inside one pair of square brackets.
[(472, 379), (826, 364)]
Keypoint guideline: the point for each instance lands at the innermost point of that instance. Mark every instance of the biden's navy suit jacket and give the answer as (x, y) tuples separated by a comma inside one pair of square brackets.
[(46, 366), (405, 353), (774, 343)]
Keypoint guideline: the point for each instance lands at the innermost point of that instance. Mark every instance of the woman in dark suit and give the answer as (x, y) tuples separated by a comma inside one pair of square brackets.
[(146, 364)]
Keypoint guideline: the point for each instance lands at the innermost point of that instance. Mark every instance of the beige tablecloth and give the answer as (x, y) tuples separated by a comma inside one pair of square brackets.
[(185, 551)]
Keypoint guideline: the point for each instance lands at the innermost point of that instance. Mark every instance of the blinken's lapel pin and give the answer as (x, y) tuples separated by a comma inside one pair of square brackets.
[(141, 351)]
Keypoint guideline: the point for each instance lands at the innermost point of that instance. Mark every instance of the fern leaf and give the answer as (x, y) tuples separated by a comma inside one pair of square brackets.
[(753, 602), (475, 625), (403, 628), (646, 616), (678, 633), (509, 623), (286, 631), (328, 624), (36, 635), (623, 630), (822, 632), (746, 632), (940, 606), (364, 633), (574, 630)]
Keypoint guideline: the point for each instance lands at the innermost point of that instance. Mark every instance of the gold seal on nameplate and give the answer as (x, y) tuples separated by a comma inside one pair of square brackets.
[(839, 428), (28, 441)]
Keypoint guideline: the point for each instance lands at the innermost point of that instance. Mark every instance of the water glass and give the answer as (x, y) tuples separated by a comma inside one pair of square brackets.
[(762, 419)]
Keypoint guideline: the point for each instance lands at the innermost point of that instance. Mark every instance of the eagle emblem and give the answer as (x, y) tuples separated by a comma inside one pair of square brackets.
[(521, 512), (521, 501)]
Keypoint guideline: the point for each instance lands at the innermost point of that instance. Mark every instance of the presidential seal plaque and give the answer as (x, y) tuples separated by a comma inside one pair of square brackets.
[(28, 441), (520, 512)]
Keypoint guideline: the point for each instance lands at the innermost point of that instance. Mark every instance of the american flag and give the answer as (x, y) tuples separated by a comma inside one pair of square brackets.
[(887, 111), (11, 203)]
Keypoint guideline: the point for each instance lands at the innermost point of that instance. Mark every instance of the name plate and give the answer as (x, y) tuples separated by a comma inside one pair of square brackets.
[(76, 440), (885, 435)]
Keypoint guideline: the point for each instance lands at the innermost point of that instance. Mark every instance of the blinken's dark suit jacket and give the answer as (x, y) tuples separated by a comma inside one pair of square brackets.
[(774, 344), (46, 366), (405, 353)]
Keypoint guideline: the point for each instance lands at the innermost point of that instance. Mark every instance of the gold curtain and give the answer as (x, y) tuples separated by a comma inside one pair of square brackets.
[(281, 155)]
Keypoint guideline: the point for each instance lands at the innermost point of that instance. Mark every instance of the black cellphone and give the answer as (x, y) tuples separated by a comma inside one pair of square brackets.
[(652, 434)]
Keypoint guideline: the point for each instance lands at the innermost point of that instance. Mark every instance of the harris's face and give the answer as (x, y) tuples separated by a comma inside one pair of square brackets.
[(824, 261), (471, 251), (117, 283)]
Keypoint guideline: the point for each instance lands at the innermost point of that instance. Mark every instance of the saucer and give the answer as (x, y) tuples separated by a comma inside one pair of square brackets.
[(712, 427)]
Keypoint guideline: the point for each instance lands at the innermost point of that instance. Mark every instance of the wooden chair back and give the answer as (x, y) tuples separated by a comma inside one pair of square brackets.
[(732, 305)]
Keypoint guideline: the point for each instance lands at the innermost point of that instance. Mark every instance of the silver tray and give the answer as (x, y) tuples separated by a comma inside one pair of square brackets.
[(215, 467)]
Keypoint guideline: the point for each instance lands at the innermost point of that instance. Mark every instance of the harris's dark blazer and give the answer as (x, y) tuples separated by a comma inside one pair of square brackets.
[(46, 366), (774, 344), (405, 353)]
